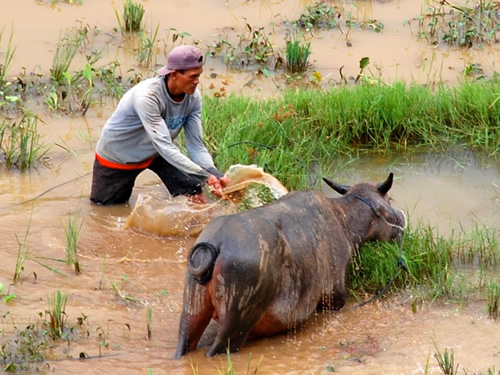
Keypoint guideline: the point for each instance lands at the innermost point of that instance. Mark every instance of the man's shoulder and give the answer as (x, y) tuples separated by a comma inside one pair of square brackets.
[(150, 83), (196, 96)]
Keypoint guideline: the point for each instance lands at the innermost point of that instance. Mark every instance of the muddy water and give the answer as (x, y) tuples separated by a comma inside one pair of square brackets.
[(445, 190)]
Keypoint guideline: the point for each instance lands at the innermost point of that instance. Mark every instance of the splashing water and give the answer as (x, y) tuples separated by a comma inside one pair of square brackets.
[(174, 216)]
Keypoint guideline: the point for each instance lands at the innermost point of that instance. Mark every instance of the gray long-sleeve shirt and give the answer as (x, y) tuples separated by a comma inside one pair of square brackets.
[(145, 123)]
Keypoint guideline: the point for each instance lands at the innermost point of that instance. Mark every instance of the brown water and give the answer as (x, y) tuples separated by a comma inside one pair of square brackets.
[(445, 190)]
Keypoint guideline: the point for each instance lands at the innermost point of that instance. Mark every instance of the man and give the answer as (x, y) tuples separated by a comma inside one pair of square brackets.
[(139, 135)]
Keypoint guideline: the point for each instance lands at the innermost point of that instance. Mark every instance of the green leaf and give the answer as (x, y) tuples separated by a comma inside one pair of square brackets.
[(267, 73), (68, 77), (9, 297), (363, 63), (87, 73), (12, 99)]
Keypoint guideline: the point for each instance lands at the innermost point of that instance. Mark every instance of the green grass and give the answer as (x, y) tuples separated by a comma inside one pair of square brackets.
[(434, 266), (289, 135)]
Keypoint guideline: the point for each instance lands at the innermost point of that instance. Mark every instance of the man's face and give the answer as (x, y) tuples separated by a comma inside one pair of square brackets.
[(187, 81)]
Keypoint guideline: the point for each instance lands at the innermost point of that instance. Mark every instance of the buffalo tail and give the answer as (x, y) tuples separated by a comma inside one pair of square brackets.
[(201, 261)]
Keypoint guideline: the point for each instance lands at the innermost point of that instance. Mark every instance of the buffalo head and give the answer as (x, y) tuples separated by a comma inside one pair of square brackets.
[(369, 214)]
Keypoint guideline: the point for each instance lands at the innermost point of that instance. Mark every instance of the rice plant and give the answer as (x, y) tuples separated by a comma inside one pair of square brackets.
[(297, 56), (72, 232), (446, 361), (57, 313), (149, 321), (22, 252), (131, 20), (426, 264), (493, 299)]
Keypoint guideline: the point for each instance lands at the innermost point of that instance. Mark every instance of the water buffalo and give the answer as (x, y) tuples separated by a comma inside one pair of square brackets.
[(265, 270)]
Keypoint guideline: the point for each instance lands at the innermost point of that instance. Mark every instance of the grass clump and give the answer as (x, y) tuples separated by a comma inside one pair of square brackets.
[(132, 15), (297, 56), (57, 314)]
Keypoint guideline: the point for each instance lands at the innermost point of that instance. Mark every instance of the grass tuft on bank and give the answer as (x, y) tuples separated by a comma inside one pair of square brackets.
[(291, 134)]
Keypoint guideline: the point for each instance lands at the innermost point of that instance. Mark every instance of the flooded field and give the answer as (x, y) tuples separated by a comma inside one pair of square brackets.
[(127, 271)]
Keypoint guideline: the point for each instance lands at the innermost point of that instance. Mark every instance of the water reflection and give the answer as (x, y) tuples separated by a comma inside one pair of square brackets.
[(451, 190)]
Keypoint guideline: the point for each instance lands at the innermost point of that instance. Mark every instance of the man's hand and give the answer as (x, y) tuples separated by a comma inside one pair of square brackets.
[(216, 185)]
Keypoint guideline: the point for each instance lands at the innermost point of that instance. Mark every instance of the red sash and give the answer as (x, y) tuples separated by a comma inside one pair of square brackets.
[(127, 167)]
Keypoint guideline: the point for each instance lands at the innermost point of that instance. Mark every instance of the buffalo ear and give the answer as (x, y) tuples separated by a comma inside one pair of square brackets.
[(385, 186), (341, 189)]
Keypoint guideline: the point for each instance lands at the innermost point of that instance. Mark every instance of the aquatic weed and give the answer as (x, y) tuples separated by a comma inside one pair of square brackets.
[(318, 15), (24, 349), (459, 25), (20, 142)]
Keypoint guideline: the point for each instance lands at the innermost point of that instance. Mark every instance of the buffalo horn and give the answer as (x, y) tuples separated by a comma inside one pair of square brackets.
[(341, 189), (385, 186)]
